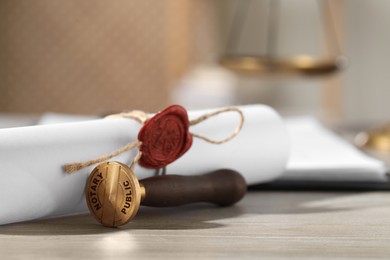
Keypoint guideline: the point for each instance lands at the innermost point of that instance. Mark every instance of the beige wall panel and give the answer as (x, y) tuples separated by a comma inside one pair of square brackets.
[(94, 56)]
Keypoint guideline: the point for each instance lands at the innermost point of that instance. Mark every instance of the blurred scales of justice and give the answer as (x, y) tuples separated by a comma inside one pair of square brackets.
[(213, 85), (270, 64)]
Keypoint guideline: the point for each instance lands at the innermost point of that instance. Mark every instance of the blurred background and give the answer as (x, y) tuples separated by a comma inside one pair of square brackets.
[(97, 57)]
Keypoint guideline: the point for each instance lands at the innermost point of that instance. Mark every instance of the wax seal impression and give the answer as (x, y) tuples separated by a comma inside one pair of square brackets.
[(165, 137), (113, 194)]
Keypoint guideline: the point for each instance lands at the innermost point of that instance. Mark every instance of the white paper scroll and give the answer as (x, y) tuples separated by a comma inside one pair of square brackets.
[(34, 185)]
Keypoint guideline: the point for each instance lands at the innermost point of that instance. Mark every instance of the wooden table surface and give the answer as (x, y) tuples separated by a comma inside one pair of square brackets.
[(265, 224)]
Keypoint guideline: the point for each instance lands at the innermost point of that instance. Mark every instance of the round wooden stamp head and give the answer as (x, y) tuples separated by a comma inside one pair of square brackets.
[(113, 194)]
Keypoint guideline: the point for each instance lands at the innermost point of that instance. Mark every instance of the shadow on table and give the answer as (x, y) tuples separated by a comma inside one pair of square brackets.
[(302, 202), (201, 216)]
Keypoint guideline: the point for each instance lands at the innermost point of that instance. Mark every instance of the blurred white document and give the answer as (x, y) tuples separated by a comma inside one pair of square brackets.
[(317, 154)]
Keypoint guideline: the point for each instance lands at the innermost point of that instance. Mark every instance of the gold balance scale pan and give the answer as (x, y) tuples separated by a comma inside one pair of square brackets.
[(298, 65), (114, 193)]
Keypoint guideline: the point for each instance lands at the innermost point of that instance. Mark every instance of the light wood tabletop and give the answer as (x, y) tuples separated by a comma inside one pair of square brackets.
[(265, 224)]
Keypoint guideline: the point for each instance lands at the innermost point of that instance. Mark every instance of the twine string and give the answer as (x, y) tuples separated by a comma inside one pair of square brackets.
[(214, 113), (72, 167), (142, 117), (135, 160), (137, 115)]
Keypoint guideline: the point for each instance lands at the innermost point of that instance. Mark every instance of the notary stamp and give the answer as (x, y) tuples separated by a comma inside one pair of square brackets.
[(112, 194)]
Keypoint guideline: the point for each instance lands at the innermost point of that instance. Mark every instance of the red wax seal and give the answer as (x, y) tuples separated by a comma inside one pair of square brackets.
[(165, 137)]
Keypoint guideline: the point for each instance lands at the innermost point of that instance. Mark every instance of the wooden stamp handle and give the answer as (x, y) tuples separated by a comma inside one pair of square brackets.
[(222, 187)]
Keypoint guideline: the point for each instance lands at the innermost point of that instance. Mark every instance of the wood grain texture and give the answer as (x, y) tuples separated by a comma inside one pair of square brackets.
[(277, 225)]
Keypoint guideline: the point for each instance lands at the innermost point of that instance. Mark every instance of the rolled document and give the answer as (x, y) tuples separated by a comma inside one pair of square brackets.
[(34, 184)]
